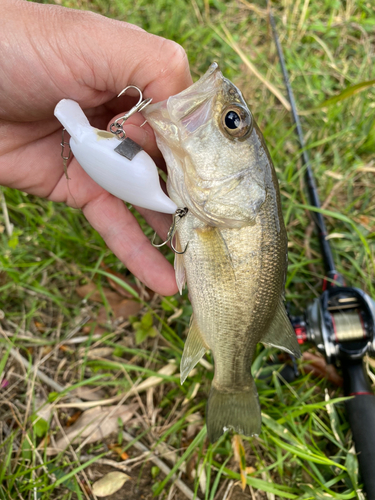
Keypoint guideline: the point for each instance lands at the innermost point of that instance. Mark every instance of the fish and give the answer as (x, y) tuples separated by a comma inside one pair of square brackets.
[(232, 240)]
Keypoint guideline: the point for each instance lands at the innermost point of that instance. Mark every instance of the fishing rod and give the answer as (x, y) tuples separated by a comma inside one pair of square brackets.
[(341, 322)]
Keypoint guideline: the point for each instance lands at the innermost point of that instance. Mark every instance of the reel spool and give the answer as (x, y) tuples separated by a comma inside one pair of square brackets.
[(341, 323), (348, 326)]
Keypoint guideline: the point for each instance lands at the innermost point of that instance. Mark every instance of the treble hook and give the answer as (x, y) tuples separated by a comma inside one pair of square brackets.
[(117, 127), (177, 216)]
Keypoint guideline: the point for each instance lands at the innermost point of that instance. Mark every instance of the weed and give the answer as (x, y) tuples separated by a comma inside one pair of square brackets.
[(92, 353)]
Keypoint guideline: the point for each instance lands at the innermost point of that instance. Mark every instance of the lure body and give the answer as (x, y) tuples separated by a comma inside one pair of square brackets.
[(135, 181)]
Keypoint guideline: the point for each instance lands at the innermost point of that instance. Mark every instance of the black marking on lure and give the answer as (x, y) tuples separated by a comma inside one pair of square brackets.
[(128, 148)]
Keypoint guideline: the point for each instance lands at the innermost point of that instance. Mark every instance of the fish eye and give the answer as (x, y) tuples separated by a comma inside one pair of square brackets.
[(236, 121), (232, 120)]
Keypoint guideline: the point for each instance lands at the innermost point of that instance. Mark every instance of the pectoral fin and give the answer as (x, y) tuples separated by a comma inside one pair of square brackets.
[(195, 349), (280, 334)]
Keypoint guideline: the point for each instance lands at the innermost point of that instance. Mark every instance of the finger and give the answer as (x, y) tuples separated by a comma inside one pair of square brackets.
[(37, 168), (144, 136), (74, 55), (157, 66), (161, 223), (14, 135), (119, 228), (121, 232)]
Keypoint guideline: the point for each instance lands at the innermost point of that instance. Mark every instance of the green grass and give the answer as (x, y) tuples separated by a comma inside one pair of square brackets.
[(304, 451)]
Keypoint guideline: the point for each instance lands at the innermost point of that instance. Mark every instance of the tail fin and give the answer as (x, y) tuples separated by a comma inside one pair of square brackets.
[(238, 411)]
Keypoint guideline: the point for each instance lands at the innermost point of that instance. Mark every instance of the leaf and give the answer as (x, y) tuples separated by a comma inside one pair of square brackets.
[(306, 454), (52, 396), (117, 449), (144, 328), (121, 308), (192, 392), (89, 393), (147, 320), (333, 236), (334, 418), (364, 219), (152, 381), (195, 423), (279, 429), (154, 471), (73, 419), (4, 359), (91, 291), (152, 332), (240, 458), (140, 336), (40, 425), (201, 473), (94, 424), (98, 352), (318, 366), (169, 304), (109, 484), (369, 145), (345, 94), (13, 241), (123, 285), (351, 463), (66, 477), (126, 308)]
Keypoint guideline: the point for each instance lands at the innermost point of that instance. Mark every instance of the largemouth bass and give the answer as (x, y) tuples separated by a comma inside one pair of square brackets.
[(235, 261)]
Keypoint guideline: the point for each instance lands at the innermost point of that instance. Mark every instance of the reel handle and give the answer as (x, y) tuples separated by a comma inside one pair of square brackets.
[(361, 416)]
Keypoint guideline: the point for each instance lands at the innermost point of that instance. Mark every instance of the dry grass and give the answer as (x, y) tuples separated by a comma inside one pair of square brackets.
[(92, 340)]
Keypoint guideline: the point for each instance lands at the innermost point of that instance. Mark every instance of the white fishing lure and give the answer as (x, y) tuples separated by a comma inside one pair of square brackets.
[(135, 181)]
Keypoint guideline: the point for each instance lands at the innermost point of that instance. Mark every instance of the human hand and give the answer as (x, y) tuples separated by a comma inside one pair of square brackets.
[(48, 53)]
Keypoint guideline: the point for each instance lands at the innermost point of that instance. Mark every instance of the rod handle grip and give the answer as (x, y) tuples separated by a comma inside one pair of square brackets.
[(361, 416)]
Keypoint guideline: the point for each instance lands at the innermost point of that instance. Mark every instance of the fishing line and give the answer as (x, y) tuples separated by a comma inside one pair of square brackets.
[(326, 250), (341, 322)]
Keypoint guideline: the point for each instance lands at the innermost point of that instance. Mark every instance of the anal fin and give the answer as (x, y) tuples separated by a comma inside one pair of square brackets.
[(195, 348), (280, 334)]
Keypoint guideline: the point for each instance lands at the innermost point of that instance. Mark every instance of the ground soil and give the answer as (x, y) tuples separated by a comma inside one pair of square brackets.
[(139, 487)]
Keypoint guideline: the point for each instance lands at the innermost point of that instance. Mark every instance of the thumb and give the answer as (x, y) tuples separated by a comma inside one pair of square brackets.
[(86, 57), (118, 54)]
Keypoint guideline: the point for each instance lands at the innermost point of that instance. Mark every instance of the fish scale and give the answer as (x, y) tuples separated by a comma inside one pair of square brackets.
[(235, 239)]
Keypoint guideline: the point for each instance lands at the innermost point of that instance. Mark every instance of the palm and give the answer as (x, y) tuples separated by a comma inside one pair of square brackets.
[(30, 152)]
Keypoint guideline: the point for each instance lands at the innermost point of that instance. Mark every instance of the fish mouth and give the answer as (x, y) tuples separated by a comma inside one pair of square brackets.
[(199, 115), (195, 108), (190, 105), (187, 102)]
